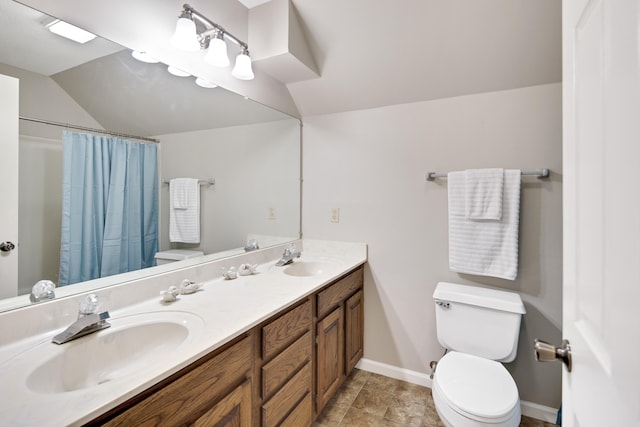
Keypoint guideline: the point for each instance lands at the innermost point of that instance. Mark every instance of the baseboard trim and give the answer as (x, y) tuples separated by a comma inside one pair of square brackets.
[(395, 372), (529, 409), (540, 412)]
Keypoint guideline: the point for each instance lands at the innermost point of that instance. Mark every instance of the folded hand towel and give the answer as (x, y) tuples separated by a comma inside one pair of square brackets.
[(483, 191), (184, 210), (486, 248), (182, 193)]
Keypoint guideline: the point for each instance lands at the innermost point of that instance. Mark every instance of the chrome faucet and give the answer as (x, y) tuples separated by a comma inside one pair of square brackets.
[(288, 255), (83, 326), (90, 320)]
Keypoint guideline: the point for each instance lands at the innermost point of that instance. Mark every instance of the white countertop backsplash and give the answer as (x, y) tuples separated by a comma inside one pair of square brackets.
[(227, 307)]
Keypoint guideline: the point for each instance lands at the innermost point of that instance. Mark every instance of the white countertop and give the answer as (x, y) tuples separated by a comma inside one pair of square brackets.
[(227, 309)]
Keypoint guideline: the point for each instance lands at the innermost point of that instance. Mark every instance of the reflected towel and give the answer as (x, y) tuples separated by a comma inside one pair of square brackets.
[(485, 248), (184, 210), (483, 193)]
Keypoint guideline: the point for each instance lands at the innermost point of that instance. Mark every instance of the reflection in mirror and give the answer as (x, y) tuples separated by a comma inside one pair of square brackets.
[(252, 152)]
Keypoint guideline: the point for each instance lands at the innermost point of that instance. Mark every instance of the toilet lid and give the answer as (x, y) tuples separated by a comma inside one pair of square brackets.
[(475, 386)]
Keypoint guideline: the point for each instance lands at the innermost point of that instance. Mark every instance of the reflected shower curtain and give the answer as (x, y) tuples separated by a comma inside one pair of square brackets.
[(109, 207)]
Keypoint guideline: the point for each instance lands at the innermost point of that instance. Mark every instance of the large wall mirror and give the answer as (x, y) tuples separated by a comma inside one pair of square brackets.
[(250, 150)]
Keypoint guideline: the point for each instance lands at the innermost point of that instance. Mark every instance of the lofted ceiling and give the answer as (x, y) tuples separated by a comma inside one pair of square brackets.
[(27, 44), (373, 53), (118, 91), (385, 52)]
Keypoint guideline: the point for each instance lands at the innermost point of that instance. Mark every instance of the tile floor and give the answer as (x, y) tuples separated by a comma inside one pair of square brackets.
[(371, 400)]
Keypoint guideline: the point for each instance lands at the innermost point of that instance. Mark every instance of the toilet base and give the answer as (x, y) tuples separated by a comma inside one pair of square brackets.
[(451, 418)]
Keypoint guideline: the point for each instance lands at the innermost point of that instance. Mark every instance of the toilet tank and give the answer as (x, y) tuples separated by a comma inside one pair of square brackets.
[(479, 321), (173, 255)]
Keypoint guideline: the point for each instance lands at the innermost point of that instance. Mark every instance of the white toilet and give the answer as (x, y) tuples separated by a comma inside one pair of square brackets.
[(173, 255), (479, 327)]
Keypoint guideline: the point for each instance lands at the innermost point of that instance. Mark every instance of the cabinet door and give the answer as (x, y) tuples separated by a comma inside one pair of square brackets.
[(234, 410), (354, 330), (191, 394), (330, 356)]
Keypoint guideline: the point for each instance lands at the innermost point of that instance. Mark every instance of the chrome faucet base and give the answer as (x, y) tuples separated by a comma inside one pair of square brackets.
[(282, 262), (289, 254), (84, 326)]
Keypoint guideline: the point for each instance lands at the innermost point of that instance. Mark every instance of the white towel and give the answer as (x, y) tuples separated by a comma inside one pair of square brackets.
[(485, 248), (184, 210), (483, 193)]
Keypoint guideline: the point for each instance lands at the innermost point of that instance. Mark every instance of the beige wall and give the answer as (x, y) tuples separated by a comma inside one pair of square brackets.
[(255, 167), (372, 165)]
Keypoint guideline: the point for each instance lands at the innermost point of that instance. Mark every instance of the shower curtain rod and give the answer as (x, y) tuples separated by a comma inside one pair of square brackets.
[(107, 132)]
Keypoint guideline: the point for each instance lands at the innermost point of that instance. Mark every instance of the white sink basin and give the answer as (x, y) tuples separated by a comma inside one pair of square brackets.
[(308, 268), (131, 345)]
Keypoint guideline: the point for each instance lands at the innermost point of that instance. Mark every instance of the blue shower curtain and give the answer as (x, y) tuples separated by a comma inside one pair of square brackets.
[(109, 207)]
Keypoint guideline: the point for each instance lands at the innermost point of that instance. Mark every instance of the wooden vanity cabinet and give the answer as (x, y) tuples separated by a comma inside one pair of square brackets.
[(354, 330), (286, 368), (340, 334), (329, 356), (268, 376), (214, 391)]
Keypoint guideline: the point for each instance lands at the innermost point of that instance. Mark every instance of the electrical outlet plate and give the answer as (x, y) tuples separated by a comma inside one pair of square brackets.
[(271, 212), (335, 215)]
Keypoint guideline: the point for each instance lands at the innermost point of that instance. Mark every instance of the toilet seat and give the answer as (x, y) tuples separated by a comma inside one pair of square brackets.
[(477, 389)]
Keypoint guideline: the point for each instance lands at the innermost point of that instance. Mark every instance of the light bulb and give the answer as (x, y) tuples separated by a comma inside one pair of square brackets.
[(242, 69), (177, 72), (217, 52), (185, 37), (144, 57), (207, 84)]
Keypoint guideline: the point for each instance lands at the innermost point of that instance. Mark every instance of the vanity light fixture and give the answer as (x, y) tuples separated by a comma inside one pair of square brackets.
[(145, 57), (69, 31), (193, 29)]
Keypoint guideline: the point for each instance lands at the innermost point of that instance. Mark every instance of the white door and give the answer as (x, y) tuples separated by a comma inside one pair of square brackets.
[(601, 155), (8, 186)]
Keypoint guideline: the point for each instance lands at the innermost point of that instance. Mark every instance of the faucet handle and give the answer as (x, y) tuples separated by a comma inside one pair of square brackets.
[(42, 290), (290, 249), (252, 245), (89, 305)]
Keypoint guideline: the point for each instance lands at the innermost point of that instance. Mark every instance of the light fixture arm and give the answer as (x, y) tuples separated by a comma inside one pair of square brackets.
[(212, 27)]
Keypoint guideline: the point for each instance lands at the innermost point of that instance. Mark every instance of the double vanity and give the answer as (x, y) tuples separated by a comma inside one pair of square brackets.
[(266, 349)]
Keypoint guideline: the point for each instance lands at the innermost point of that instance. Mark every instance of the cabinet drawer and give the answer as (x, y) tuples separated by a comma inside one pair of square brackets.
[(234, 409), (287, 397), (329, 298), (302, 415), (276, 372), (192, 394), (281, 332)]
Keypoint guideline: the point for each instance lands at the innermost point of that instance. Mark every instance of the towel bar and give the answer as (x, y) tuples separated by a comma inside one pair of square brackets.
[(540, 173), (210, 181)]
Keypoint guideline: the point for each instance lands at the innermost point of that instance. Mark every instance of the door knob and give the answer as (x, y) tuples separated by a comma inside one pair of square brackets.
[(7, 246), (546, 352)]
